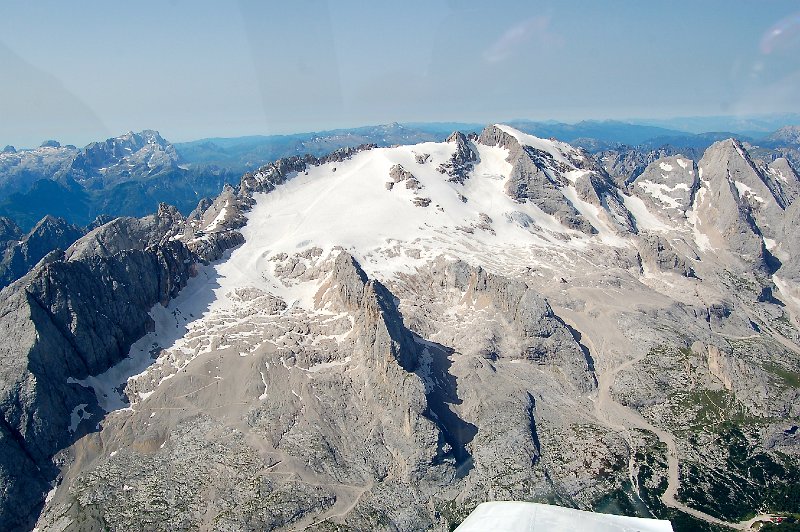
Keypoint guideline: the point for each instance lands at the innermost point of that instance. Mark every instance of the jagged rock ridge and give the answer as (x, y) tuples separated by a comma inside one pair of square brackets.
[(390, 366)]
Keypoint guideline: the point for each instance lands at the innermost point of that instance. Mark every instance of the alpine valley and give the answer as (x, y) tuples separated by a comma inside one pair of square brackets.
[(383, 337)]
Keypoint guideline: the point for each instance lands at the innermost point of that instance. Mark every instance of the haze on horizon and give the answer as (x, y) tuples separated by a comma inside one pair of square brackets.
[(194, 69)]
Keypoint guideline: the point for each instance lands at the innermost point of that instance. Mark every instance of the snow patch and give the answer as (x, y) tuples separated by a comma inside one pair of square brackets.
[(666, 167), (556, 148), (659, 191), (777, 173), (645, 220), (744, 190), (700, 238), (264, 381), (218, 219), (170, 328), (592, 213)]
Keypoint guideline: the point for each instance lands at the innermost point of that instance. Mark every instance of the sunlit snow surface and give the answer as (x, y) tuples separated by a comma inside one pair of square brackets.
[(505, 516), (352, 208), (348, 205)]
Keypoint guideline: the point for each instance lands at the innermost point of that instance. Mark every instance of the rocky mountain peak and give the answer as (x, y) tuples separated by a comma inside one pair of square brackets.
[(9, 149), (117, 159), (8, 230), (786, 134), (457, 137), (494, 136), (314, 347), (49, 234)]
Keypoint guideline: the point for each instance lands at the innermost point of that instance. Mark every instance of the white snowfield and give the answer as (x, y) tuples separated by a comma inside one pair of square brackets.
[(348, 205), (509, 516)]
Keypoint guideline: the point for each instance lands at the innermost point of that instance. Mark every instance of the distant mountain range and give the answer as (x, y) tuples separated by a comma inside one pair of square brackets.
[(131, 174), (384, 338), (753, 126)]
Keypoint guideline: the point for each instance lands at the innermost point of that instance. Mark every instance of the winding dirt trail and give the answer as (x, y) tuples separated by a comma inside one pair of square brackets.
[(619, 417)]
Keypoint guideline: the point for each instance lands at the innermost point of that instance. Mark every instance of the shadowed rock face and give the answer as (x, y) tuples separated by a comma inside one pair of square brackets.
[(321, 390), (48, 235), (9, 231), (543, 337), (69, 319), (383, 340)]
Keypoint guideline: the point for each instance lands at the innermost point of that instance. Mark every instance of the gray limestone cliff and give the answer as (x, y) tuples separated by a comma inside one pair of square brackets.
[(68, 319), (668, 185), (542, 337), (536, 177), (48, 235), (725, 203)]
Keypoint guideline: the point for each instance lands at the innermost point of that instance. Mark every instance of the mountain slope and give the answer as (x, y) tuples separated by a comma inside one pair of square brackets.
[(46, 236), (386, 337)]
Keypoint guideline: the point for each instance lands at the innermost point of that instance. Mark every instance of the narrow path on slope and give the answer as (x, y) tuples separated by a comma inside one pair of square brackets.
[(608, 409), (617, 416)]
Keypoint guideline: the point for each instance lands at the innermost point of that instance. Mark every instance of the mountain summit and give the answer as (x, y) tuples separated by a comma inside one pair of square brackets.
[(139, 155), (383, 338)]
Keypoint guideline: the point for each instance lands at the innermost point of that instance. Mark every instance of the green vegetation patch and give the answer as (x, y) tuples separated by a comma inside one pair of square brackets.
[(790, 378), (745, 481)]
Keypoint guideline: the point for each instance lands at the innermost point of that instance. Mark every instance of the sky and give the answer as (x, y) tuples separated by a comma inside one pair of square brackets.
[(89, 70)]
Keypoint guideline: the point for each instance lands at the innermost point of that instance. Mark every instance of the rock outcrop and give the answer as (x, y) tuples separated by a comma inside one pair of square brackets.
[(541, 336), (48, 235), (657, 251), (68, 319), (536, 176), (462, 160), (128, 233), (668, 185)]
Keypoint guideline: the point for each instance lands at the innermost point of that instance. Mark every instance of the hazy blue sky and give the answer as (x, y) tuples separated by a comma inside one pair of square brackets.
[(81, 71)]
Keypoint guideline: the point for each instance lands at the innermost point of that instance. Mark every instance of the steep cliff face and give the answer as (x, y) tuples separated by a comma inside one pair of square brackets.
[(316, 348), (734, 206), (46, 236), (389, 354), (669, 185), (68, 319), (540, 336), (538, 176)]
